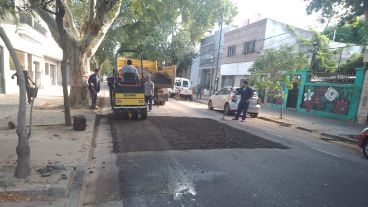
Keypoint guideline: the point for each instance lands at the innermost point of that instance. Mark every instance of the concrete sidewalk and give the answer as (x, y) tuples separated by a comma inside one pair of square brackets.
[(52, 143), (324, 127)]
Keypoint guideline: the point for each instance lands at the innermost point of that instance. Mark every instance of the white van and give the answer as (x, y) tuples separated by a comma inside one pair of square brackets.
[(182, 88)]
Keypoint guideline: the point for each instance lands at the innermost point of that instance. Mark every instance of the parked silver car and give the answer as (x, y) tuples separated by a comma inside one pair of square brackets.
[(227, 100)]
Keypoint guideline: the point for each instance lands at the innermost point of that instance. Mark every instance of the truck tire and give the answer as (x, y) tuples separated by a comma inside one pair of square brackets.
[(115, 114), (135, 114), (143, 114)]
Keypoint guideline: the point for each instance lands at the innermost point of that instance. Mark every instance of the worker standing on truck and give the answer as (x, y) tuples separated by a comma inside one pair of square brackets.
[(149, 87), (129, 73)]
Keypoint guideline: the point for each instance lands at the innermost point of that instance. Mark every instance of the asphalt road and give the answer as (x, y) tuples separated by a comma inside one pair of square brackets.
[(307, 172)]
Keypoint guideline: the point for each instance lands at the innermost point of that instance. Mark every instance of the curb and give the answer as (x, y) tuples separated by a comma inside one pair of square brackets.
[(322, 135), (77, 186), (199, 102)]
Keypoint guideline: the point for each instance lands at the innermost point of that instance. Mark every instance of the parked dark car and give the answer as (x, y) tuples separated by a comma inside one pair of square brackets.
[(363, 141)]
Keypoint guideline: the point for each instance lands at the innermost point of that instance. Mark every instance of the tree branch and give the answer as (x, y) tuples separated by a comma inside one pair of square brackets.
[(101, 23), (50, 20), (69, 21)]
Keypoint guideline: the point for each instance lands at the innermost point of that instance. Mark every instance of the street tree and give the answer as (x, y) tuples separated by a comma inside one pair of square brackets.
[(344, 10), (269, 71), (165, 30), (79, 28), (322, 54), (22, 169), (354, 32), (318, 50)]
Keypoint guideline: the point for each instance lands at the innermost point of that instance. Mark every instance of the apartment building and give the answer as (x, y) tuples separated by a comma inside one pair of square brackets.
[(209, 74), (244, 45), (36, 50)]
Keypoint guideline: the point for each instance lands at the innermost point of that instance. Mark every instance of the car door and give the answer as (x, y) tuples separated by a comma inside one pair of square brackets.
[(224, 97), (216, 99)]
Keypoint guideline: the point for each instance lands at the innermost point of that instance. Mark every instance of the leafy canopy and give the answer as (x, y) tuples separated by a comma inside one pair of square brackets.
[(165, 30), (344, 10), (355, 32), (274, 64)]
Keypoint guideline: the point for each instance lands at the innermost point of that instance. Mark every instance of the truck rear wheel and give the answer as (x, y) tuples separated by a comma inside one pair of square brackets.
[(135, 114), (143, 114)]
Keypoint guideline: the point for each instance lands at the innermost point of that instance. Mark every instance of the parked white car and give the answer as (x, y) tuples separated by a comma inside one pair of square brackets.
[(227, 100)]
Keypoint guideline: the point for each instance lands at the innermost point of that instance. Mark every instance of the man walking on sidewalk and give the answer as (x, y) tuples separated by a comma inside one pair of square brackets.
[(246, 94), (149, 87), (199, 91), (94, 87)]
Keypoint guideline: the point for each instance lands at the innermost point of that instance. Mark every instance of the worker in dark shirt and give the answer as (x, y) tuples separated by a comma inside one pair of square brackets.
[(27, 80), (94, 87), (246, 94)]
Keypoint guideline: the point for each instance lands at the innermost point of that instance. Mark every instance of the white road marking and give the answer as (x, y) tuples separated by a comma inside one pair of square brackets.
[(325, 152)]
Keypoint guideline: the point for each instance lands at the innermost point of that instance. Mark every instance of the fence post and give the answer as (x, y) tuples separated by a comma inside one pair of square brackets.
[(358, 83), (304, 73)]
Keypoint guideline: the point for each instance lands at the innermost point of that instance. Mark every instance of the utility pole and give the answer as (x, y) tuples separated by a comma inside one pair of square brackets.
[(219, 47), (211, 79)]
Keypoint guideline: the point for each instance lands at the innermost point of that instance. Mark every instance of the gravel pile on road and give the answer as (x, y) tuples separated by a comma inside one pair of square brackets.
[(182, 133)]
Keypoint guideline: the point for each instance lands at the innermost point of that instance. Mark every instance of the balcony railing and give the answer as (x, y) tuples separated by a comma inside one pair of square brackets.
[(27, 19), (38, 27)]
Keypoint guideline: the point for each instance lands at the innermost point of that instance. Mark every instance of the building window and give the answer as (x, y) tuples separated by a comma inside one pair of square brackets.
[(47, 69), (231, 51), (53, 74), (249, 47)]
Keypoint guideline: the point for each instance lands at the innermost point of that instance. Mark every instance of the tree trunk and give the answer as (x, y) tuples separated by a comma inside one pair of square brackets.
[(23, 168), (79, 65), (68, 120)]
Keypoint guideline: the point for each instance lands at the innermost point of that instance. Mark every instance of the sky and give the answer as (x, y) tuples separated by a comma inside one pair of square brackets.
[(292, 12)]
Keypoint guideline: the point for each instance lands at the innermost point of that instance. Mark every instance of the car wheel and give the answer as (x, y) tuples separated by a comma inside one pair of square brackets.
[(365, 148), (227, 110), (210, 105), (253, 115)]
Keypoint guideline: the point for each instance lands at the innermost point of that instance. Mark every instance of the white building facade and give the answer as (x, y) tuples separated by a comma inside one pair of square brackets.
[(36, 50)]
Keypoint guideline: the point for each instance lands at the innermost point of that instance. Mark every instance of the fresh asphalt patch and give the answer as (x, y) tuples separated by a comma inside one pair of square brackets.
[(182, 133)]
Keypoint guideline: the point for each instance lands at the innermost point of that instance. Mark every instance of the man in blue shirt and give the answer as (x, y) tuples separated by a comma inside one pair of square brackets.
[(246, 94), (94, 87)]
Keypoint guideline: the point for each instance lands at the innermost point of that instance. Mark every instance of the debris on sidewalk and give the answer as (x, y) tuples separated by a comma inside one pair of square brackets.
[(11, 125), (51, 169)]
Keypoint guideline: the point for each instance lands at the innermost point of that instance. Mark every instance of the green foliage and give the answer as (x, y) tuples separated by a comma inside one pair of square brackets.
[(164, 30), (319, 49), (355, 32), (270, 69), (345, 10), (355, 61), (322, 58), (6, 7)]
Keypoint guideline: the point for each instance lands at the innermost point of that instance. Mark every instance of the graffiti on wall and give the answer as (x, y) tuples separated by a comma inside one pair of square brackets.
[(334, 100)]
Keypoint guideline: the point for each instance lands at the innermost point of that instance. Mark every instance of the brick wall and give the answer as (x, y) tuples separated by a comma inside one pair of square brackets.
[(254, 31)]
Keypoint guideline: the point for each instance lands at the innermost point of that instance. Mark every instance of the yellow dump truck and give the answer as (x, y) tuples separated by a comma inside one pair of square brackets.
[(162, 77)]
